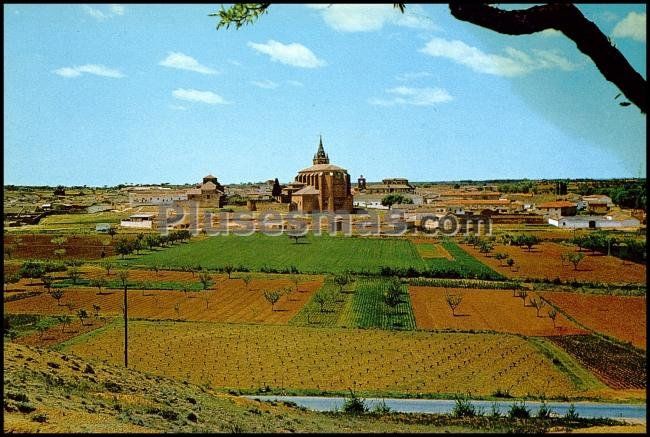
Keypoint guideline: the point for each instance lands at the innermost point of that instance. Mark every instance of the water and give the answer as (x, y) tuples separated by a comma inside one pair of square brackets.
[(636, 412)]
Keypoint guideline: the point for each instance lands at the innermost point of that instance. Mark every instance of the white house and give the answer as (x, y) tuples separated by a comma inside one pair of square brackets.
[(139, 221), (593, 222)]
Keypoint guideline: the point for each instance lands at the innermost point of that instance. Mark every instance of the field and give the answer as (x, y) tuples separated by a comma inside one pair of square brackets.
[(494, 310), (324, 254), (40, 246), (429, 249), (615, 365), (621, 317), (360, 305), (330, 359), (544, 261), (227, 301)]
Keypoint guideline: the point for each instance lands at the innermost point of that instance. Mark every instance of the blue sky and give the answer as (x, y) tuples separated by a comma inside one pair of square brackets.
[(109, 94)]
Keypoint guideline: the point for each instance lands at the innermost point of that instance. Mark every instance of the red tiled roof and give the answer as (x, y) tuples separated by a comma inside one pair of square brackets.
[(557, 204)]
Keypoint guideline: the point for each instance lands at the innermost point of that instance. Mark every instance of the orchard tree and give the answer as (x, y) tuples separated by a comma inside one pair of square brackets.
[(500, 256), (11, 279), (538, 303), (341, 280), (123, 247), (108, 266), (510, 262), (82, 314), (247, 278), (47, 282), (272, 297), (321, 299), (74, 274), (57, 294), (229, 268), (64, 320), (575, 258), (523, 294), (553, 315), (206, 280), (453, 300), (99, 283)]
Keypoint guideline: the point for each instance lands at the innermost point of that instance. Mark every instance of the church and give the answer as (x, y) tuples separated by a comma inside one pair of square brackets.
[(323, 187)]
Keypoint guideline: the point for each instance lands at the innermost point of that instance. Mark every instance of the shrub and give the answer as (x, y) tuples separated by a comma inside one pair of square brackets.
[(544, 411), (40, 418), (519, 411), (381, 408), (192, 417), (354, 404), (463, 408), (571, 413)]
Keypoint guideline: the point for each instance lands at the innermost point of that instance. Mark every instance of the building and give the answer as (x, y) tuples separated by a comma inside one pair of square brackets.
[(208, 194), (139, 221), (321, 187), (389, 186), (560, 208), (594, 222)]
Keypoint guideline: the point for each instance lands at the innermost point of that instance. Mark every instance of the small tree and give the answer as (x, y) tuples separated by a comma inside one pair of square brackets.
[(10, 279), (108, 266), (296, 280), (538, 304), (500, 256), (99, 283), (74, 274), (341, 281), (553, 315), (57, 294), (112, 231), (96, 309), (64, 321), (510, 262), (47, 282), (156, 268), (393, 293), (123, 247), (575, 258), (523, 294), (177, 309), (453, 300), (41, 328), (247, 278), (205, 279), (82, 314), (229, 268), (272, 297), (287, 291), (59, 253), (529, 241), (321, 299)]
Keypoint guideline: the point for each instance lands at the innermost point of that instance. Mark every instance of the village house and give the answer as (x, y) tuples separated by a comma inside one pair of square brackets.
[(559, 208)]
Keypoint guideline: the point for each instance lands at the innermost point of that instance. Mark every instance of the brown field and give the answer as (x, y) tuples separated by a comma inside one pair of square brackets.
[(78, 246), (252, 356), (229, 301), (496, 310), (544, 261), (622, 317), (57, 334)]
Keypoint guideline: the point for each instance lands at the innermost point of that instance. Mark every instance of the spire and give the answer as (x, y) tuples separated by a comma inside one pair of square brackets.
[(321, 157)]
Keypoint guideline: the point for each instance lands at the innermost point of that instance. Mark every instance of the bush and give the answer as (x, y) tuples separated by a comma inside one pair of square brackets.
[(544, 411), (571, 413), (519, 411), (192, 417), (40, 418), (381, 408), (354, 404), (463, 408)]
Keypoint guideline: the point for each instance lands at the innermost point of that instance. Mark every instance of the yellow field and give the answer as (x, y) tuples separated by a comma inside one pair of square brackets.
[(252, 356)]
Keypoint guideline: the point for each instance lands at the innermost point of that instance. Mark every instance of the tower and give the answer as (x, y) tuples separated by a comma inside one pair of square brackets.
[(361, 183), (321, 157)]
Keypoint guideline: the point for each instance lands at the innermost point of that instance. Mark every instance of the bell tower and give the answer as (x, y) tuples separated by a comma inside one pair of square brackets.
[(321, 157)]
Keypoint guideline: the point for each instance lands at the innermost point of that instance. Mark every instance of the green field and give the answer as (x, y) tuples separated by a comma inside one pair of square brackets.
[(359, 306), (259, 252), (314, 254)]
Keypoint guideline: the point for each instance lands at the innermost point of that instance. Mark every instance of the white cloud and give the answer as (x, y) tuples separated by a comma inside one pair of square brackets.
[(113, 10), (95, 13), (632, 26), (515, 63), (372, 17), (185, 62), (266, 84), (178, 107), (414, 96), (192, 95), (295, 83), (404, 77), (234, 62), (117, 9), (293, 54), (98, 70)]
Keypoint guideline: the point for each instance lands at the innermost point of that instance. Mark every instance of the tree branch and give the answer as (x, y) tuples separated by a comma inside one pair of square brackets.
[(567, 19)]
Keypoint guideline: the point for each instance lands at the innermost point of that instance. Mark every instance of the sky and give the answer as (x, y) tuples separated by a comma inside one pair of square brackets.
[(108, 94)]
